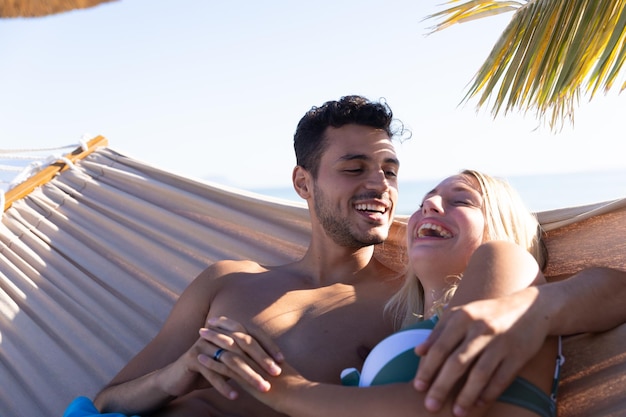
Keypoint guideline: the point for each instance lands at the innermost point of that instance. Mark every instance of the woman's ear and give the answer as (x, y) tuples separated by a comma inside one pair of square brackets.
[(301, 179)]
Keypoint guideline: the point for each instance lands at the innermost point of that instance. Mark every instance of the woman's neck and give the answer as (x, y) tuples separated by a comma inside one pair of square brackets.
[(437, 292)]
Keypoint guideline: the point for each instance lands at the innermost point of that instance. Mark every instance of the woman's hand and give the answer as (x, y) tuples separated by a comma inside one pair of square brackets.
[(239, 355)]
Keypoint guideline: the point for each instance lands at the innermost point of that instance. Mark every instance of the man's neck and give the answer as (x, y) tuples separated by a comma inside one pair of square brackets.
[(331, 264)]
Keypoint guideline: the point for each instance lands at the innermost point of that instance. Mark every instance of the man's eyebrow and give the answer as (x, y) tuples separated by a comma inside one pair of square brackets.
[(394, 161), (362, 157), (354, 156)]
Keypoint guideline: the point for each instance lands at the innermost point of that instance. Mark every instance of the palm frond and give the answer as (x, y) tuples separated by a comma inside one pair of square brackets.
[(551, 53)]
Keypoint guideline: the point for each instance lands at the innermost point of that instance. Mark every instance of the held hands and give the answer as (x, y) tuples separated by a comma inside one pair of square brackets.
[(488, 341), (235, 354), (250, 361)]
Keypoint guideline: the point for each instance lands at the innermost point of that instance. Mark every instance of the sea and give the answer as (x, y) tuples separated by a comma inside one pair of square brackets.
[(540, 192)]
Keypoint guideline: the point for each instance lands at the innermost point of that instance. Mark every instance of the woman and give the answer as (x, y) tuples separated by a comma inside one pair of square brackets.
[(472, 238)]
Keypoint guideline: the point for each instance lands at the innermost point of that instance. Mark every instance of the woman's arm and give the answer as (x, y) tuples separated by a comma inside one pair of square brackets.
[(292, 394), (296, 396)]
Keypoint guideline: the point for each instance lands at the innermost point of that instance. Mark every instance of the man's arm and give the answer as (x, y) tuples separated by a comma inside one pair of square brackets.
[(510, 330), (590, 301), (168, 366)]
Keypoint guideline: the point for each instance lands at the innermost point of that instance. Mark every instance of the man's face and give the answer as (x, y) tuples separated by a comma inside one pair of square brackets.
[(356, 189)]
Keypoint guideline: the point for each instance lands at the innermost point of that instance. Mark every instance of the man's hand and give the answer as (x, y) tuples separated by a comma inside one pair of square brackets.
[(487, 341), (190, 372)]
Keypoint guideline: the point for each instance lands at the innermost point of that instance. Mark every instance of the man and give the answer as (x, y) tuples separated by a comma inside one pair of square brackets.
[(347, 172), (324, 311)]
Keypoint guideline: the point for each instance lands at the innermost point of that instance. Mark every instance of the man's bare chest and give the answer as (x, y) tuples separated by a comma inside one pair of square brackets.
[(320, 330)]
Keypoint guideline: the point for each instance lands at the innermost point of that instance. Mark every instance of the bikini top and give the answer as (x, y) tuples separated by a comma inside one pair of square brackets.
[(393, 360)]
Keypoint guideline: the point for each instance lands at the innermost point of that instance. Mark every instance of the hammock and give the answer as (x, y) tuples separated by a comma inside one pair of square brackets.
[(92, 261)]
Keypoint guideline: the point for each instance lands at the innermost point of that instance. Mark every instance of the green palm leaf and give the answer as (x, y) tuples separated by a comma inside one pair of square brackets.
[(551, 53)]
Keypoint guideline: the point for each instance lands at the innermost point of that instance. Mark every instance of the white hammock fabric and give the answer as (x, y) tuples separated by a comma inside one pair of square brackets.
[(92, 261)]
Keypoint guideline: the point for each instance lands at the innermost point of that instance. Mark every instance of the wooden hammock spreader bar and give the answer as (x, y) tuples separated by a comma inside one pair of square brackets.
[(42, 177)]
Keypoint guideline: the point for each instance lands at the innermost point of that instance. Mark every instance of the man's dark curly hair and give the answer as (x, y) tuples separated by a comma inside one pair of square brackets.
[(309, 140)]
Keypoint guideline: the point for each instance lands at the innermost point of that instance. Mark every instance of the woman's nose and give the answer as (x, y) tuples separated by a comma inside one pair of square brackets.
[(432, 205)]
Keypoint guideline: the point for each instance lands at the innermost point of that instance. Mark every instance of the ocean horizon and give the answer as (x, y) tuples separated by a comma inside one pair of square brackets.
[(540, 192)]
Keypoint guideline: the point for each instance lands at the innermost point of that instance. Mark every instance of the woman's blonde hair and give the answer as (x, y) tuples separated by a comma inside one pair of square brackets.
[(506, 219)]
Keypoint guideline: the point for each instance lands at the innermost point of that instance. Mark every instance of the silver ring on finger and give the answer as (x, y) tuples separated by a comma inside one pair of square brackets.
[(218, 353)]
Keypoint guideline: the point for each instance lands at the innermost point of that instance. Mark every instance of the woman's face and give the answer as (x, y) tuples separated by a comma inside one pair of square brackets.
[(447, 229)]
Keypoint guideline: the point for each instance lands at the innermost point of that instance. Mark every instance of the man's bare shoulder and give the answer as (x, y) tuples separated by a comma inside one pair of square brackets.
[(211, 279), (221, 269)]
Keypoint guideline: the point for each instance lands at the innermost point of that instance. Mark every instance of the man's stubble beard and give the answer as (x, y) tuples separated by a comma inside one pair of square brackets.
[(338, 228)]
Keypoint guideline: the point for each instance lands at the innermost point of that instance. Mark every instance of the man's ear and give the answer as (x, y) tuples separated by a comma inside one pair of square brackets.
[(302, 182)]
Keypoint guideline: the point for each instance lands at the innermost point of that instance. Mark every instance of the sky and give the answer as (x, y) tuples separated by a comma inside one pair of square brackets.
[(214, 89)]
